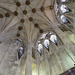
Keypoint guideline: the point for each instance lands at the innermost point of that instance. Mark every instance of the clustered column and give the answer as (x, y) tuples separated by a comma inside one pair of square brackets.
[(28, 70)]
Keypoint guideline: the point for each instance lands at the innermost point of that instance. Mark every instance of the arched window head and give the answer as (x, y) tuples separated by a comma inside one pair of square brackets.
[(43, 36), (40, 47), (63, 0), (63, 19), (20, 52), (57, 7), (53, 38), (46, 43), (64, 8)]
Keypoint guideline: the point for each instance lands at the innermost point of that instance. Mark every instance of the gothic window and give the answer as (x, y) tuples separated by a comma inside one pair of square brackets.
[(53, 38), (63, 0), (64, 8), (43, 36), (20, 52), (61, 11), (57, 10), (46, 43), (63, 19), (40, 47)]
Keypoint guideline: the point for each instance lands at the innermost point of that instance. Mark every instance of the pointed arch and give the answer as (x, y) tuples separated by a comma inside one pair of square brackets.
[(46, 43), (40, 48)]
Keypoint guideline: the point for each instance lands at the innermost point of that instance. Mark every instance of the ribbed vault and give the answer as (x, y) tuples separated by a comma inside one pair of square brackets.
[(26, 15), (22, 23)]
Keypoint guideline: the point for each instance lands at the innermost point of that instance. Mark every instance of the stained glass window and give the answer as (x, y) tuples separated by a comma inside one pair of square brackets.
[(43, 36), (46, 43), (40, 47), (63, 19), (63, 0), (64, 8), (53, 38), (20, 52)]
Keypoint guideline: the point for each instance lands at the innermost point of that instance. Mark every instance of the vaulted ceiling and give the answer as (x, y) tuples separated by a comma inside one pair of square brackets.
[(26, 20)]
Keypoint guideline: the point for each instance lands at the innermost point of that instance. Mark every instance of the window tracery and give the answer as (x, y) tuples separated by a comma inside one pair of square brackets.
[(44, 41), (61, 9), (40, 47), (20, 50), (64, 8), (43, 36), (53, 38), (63, 19)]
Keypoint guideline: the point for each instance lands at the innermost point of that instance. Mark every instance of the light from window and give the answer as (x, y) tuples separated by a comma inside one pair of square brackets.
[(64, 19), (63, 0), (40, 48), (46, 43), (20, 52), (64, 8), (44, 35), (53, 38), (57, 8)]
